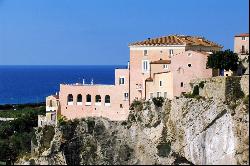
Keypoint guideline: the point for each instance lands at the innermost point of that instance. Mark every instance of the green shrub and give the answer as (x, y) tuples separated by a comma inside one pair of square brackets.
[(61, 119), (147, 105), (188, 95), (136, 105), (158, 101), (48, 135)]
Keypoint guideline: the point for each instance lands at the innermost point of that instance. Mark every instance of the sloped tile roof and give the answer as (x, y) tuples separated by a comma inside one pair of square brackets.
[(242, 35), (176, 40), (161, 62)]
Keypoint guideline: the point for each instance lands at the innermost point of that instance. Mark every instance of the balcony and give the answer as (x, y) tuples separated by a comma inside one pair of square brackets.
[(139, 87)]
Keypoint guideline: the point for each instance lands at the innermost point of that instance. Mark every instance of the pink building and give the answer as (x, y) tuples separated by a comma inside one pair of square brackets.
[(162, 66), (110, 101), (241, 44), (241, 47)]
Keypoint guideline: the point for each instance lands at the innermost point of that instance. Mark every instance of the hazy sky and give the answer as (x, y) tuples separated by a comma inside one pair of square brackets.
[(97, 32)]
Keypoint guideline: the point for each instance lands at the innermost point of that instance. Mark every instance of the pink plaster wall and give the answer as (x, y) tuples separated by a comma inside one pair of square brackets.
[(136, 74), (238, 42), (113, 112), (197, 70)]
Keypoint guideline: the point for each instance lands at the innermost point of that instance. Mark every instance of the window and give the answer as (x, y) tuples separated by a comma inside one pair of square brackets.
[(98, 100), (151, 95), (189, 65), (121, 80), (243, 38), (189, 54), (160, 83), (88, 99), (107, 100), (145, 65), (243, 49), (181, 84), (158, 94), (165, 66), (171, 52), (165, 94), (125, 96), (121, 106), (70, 99), (161, 51), (50, 103), (79, 99), (145, 52)]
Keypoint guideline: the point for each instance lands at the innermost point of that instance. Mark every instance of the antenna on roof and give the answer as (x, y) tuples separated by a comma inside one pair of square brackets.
[(149, 38), (92, 81)]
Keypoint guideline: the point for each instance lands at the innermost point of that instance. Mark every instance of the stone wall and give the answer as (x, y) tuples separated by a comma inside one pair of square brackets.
[(244, 83), (224, 88)]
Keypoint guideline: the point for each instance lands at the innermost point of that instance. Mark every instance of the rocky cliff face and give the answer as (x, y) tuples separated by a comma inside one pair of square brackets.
[(183, 131)]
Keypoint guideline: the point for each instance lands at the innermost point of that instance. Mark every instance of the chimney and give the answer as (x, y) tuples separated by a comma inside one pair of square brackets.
[(92, 81), (83, 81), (128, 65)]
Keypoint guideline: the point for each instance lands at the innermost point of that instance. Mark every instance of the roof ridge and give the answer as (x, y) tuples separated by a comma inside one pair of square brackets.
[(177, 36)]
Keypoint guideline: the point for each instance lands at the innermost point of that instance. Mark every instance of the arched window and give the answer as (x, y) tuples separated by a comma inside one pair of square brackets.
[(70, 99), (98, 100), (79, 99), (107, 100), (88, 99)]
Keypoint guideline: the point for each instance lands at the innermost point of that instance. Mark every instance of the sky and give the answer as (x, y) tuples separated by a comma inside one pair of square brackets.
[(97, 32)]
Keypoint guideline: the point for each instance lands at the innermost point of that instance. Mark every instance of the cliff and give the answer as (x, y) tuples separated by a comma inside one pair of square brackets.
[(196, 130)]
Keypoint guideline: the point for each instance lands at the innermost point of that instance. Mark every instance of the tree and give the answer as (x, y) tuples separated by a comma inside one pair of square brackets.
[(227, 60)]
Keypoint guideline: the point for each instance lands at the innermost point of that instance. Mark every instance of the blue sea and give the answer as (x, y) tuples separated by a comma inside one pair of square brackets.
[(31, 84)]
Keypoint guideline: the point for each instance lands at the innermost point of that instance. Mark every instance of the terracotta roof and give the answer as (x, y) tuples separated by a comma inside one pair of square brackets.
[(161, 62), (242, 35), (175, 40)]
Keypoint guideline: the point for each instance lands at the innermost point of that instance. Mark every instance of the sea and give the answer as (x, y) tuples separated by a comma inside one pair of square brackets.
[(31, 84)]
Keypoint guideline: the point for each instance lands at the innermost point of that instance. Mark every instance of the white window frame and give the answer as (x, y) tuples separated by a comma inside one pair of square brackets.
[(165, 94), (125, 98), (158, 93), (70, 103), (88, 103), (243, 38), (190, 65), (151, 93), (189, 54), (165, 66), (79, 103), (120, 78), (171, 52), (148, 66)]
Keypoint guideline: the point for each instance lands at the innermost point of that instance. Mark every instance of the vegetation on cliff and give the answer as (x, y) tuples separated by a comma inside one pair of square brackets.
[(15, 135)]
